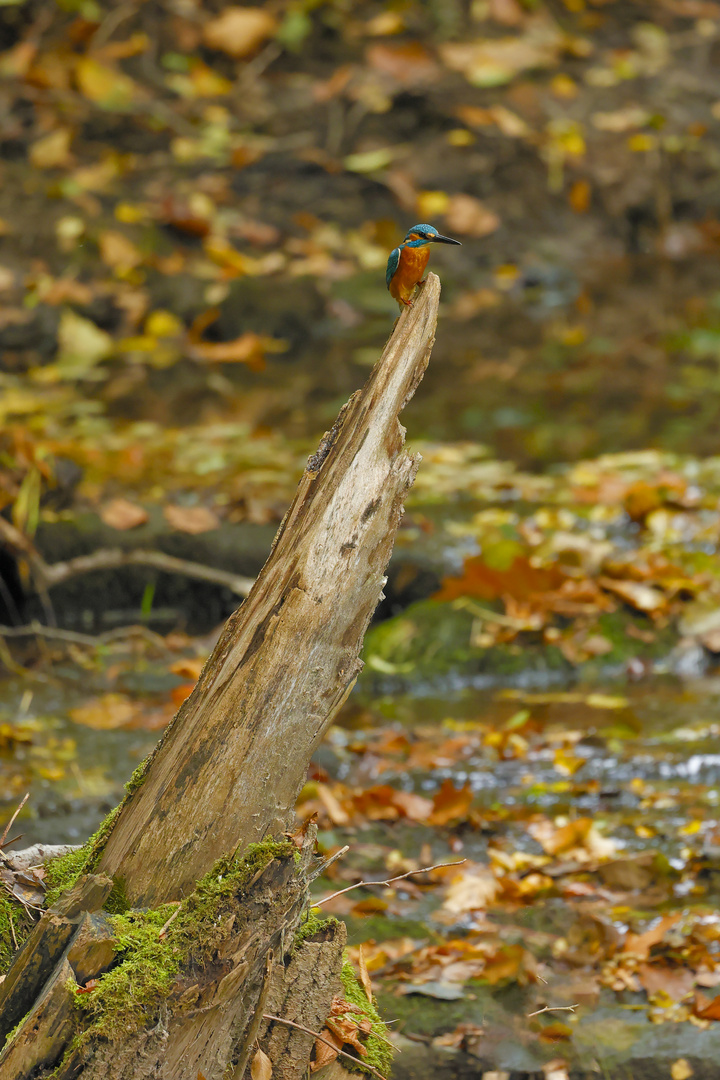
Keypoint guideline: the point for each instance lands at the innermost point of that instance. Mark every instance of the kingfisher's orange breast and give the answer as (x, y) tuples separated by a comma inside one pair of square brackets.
[(411, 268)]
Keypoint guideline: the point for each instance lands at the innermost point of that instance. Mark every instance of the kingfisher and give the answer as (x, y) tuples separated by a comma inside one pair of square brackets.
[(407, 263)]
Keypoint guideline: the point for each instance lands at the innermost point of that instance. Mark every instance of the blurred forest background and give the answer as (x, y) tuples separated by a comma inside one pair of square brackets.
[(197, 202)]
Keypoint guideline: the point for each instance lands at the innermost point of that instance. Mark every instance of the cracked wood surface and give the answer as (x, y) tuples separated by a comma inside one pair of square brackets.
[(229, 767)]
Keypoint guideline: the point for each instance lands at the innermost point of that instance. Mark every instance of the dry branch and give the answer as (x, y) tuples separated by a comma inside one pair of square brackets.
[(112, 558), (387, 882), (229, 767)]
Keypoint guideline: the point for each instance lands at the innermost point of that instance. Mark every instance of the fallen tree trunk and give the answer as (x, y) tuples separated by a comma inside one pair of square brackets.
[(182, 989)]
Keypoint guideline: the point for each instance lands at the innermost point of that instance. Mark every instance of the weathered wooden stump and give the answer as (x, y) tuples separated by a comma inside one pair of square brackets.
[(186, 905)]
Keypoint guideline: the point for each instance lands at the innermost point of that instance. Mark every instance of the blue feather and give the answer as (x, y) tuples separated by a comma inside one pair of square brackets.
[(425, 234), (392, 265)]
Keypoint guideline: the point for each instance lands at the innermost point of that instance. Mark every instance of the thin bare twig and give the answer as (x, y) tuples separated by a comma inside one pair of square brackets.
[(376, 1034), (553, 1008), (251, 1037), (340, 1053), (328, 862), (410, 873), (46, 575), (176, 912), (490, 616), (21, 900), (112, 558), (110, 24), (36, 629), (12, 819)]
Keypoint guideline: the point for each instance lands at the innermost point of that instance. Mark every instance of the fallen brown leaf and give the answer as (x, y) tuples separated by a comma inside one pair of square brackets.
[(261, 1066), (468, 216), (105, 713), (122, 514), (364, 976), (451, 803), (191, 519)]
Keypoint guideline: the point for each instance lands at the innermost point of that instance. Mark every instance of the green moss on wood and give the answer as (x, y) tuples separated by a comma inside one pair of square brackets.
[(62, 873), (138, 777), (129, 997), (13, 1031), (379, 1051), (15, 925), (314, 928), (380, 1054)]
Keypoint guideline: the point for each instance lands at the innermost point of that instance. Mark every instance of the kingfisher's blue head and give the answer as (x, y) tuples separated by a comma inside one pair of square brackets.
[(420, 235)]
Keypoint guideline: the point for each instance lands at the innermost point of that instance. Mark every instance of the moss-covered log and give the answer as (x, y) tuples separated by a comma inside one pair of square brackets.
[(203, 895)]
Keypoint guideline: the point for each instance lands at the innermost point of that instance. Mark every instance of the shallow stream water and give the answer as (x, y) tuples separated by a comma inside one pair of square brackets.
[(660, 732)]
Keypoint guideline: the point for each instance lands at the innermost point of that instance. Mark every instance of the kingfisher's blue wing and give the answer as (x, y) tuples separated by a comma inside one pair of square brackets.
[(392, 265)]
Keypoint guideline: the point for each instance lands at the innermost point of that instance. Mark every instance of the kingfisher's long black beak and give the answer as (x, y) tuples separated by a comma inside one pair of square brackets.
[(445, 240)]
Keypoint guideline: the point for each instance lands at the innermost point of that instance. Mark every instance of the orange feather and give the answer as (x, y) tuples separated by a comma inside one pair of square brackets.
[(409, 273)]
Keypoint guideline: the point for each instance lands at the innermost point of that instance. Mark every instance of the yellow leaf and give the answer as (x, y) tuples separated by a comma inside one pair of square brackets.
[(26, 508), (117, 251), (131, 214), (579, 196), (207, 83), (641, 142), (567, 763), (563, 86), (16, 62), (239, 31), (506, 276), (162, 323), (99, 175), (105, 713), (493, 62), (567, 137), (81, 344), (632, 116), (52, 151), (369, 160), (431, 204), (137, 43), (261, 1066), (681, 1070), (105, 86), (509, 123), (644, 832), (606, 701), (384, 24), (460, 137)]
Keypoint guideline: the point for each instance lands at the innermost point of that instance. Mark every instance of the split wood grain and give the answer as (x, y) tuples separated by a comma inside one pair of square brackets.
[(229, 768)]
